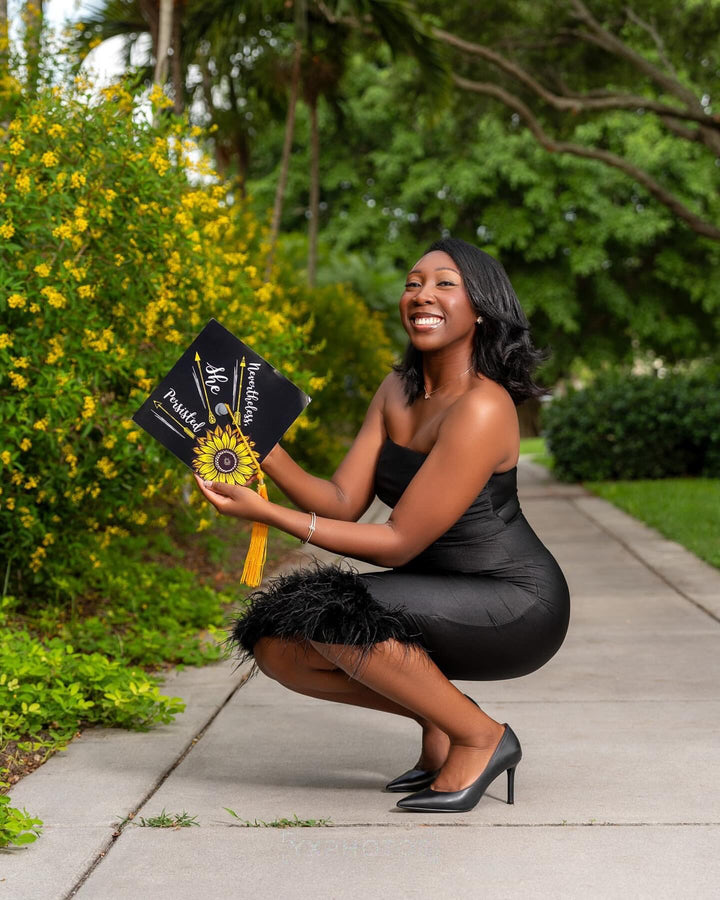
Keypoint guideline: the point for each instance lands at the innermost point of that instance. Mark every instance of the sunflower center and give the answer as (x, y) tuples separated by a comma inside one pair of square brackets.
[(226, 461)]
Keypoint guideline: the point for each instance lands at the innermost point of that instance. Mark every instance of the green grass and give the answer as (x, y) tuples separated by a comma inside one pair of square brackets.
[(535, 448), (686, 510), (281, 823), (174, 820)]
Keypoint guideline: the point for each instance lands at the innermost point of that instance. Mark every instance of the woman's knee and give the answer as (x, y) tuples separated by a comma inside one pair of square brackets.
[(282, 659)]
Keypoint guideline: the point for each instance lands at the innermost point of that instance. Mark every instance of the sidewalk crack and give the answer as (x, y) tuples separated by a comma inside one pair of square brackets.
[(120, 828)]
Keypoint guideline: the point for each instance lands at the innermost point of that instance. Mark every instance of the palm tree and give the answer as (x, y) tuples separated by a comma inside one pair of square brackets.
[(132, 19), (165, 21), (213, 35), (33, 20)]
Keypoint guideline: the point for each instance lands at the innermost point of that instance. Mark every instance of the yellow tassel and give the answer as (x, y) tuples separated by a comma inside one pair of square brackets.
[(257, 551)]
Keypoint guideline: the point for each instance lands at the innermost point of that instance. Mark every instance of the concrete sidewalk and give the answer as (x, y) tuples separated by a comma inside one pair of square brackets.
[(617, 794)]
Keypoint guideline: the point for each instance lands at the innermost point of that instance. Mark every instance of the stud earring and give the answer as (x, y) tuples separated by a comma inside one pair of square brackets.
[(478, 320)]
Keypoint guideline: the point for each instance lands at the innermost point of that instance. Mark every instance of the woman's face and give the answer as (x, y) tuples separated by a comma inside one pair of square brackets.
[(434, 308)]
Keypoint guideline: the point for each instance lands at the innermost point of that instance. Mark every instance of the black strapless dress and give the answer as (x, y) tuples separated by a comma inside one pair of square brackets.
[(486, 600)]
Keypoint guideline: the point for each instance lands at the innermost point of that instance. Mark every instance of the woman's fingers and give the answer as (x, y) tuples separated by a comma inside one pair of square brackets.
[(224, 497)]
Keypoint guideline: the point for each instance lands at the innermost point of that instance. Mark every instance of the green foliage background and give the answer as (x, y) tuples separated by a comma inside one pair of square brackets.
[(622, 427)]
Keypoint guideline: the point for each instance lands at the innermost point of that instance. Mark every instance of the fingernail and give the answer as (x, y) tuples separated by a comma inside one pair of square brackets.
[(208, 484)]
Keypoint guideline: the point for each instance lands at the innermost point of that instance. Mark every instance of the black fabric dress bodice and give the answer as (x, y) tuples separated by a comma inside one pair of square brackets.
[(467, 545)]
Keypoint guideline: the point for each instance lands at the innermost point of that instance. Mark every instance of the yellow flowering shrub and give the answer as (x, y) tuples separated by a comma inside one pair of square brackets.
[(117, 244)]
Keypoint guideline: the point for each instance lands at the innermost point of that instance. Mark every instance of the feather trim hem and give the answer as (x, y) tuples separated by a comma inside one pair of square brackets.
[(326, 603)]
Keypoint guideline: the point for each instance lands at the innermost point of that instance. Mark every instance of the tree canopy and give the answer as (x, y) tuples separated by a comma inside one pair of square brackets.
[(577, 141)]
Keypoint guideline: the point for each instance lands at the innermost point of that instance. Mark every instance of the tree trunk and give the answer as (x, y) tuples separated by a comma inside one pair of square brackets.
[(178, 79), (240, 140), (33, 19), (163, 42), (285, 161), (4, 41), (314, 192)]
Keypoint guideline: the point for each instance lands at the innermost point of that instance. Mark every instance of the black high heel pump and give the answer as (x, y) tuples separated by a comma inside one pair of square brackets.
[(507, 755), (415, 779)]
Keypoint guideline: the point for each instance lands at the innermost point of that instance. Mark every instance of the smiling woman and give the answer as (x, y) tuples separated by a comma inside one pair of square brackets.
[(471, 593)]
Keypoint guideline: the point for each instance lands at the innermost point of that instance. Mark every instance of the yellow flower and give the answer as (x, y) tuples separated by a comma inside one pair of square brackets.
[(5, 341), (317, 383), (109, 441), (86, 290), (221, 456), (5, 457), (119, 259), (133, 436), (140, 518), (63, 231), (10, 503), (89, 405), (43, 270), (31, 483), (54, 297), (22, 183), (158, 97), (36, 558), (20, 362), (56, 130), (17, 145), (49, 159), (18, 381), (16, 301), (41, 425), (25, 444), (49, 539), (107, 467), (3, 196), (56, 351), (7, 230)]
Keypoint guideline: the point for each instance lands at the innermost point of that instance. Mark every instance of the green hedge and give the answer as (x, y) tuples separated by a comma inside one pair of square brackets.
[(629, 427), (115, 248)]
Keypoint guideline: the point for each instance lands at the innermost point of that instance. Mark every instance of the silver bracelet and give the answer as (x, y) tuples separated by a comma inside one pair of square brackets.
[(311, 529)]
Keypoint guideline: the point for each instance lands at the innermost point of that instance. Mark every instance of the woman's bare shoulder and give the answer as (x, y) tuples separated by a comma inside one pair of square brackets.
[(487, 406), (391, 388)]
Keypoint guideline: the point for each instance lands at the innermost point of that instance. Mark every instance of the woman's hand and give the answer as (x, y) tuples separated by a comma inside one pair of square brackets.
[(233, 499)]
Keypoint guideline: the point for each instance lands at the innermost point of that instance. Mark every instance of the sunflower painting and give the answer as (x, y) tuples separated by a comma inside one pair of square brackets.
[(221, 456)]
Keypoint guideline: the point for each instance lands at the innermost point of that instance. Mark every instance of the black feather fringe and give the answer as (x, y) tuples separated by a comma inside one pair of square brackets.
[(324, 603)]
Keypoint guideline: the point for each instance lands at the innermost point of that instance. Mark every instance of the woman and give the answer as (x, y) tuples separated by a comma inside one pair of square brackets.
[(472, 592)]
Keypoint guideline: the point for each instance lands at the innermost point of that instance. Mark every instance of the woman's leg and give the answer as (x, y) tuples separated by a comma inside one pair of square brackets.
[(408, 677), (299, 667)]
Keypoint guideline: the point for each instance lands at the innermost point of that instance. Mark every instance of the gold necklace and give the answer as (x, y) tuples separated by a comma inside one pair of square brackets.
[(429, 395)]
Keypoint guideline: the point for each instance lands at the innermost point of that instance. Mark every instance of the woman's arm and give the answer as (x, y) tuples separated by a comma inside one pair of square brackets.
[(350, 491), (473, 440)]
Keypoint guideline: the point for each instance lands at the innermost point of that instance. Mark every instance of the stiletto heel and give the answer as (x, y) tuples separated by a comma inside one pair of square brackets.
[(415, 779), (507, 755), (511, 785)]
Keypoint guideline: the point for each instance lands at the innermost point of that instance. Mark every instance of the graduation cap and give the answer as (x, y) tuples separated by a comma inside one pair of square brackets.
[(221, 409)]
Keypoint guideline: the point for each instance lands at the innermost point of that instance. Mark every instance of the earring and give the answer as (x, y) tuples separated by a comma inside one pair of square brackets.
[(478, 320)]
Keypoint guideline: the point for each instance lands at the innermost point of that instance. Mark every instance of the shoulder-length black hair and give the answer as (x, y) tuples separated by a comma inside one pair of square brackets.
[(502, 348)]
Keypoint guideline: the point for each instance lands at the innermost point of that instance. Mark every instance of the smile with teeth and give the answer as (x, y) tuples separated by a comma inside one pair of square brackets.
[(426, 320)]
